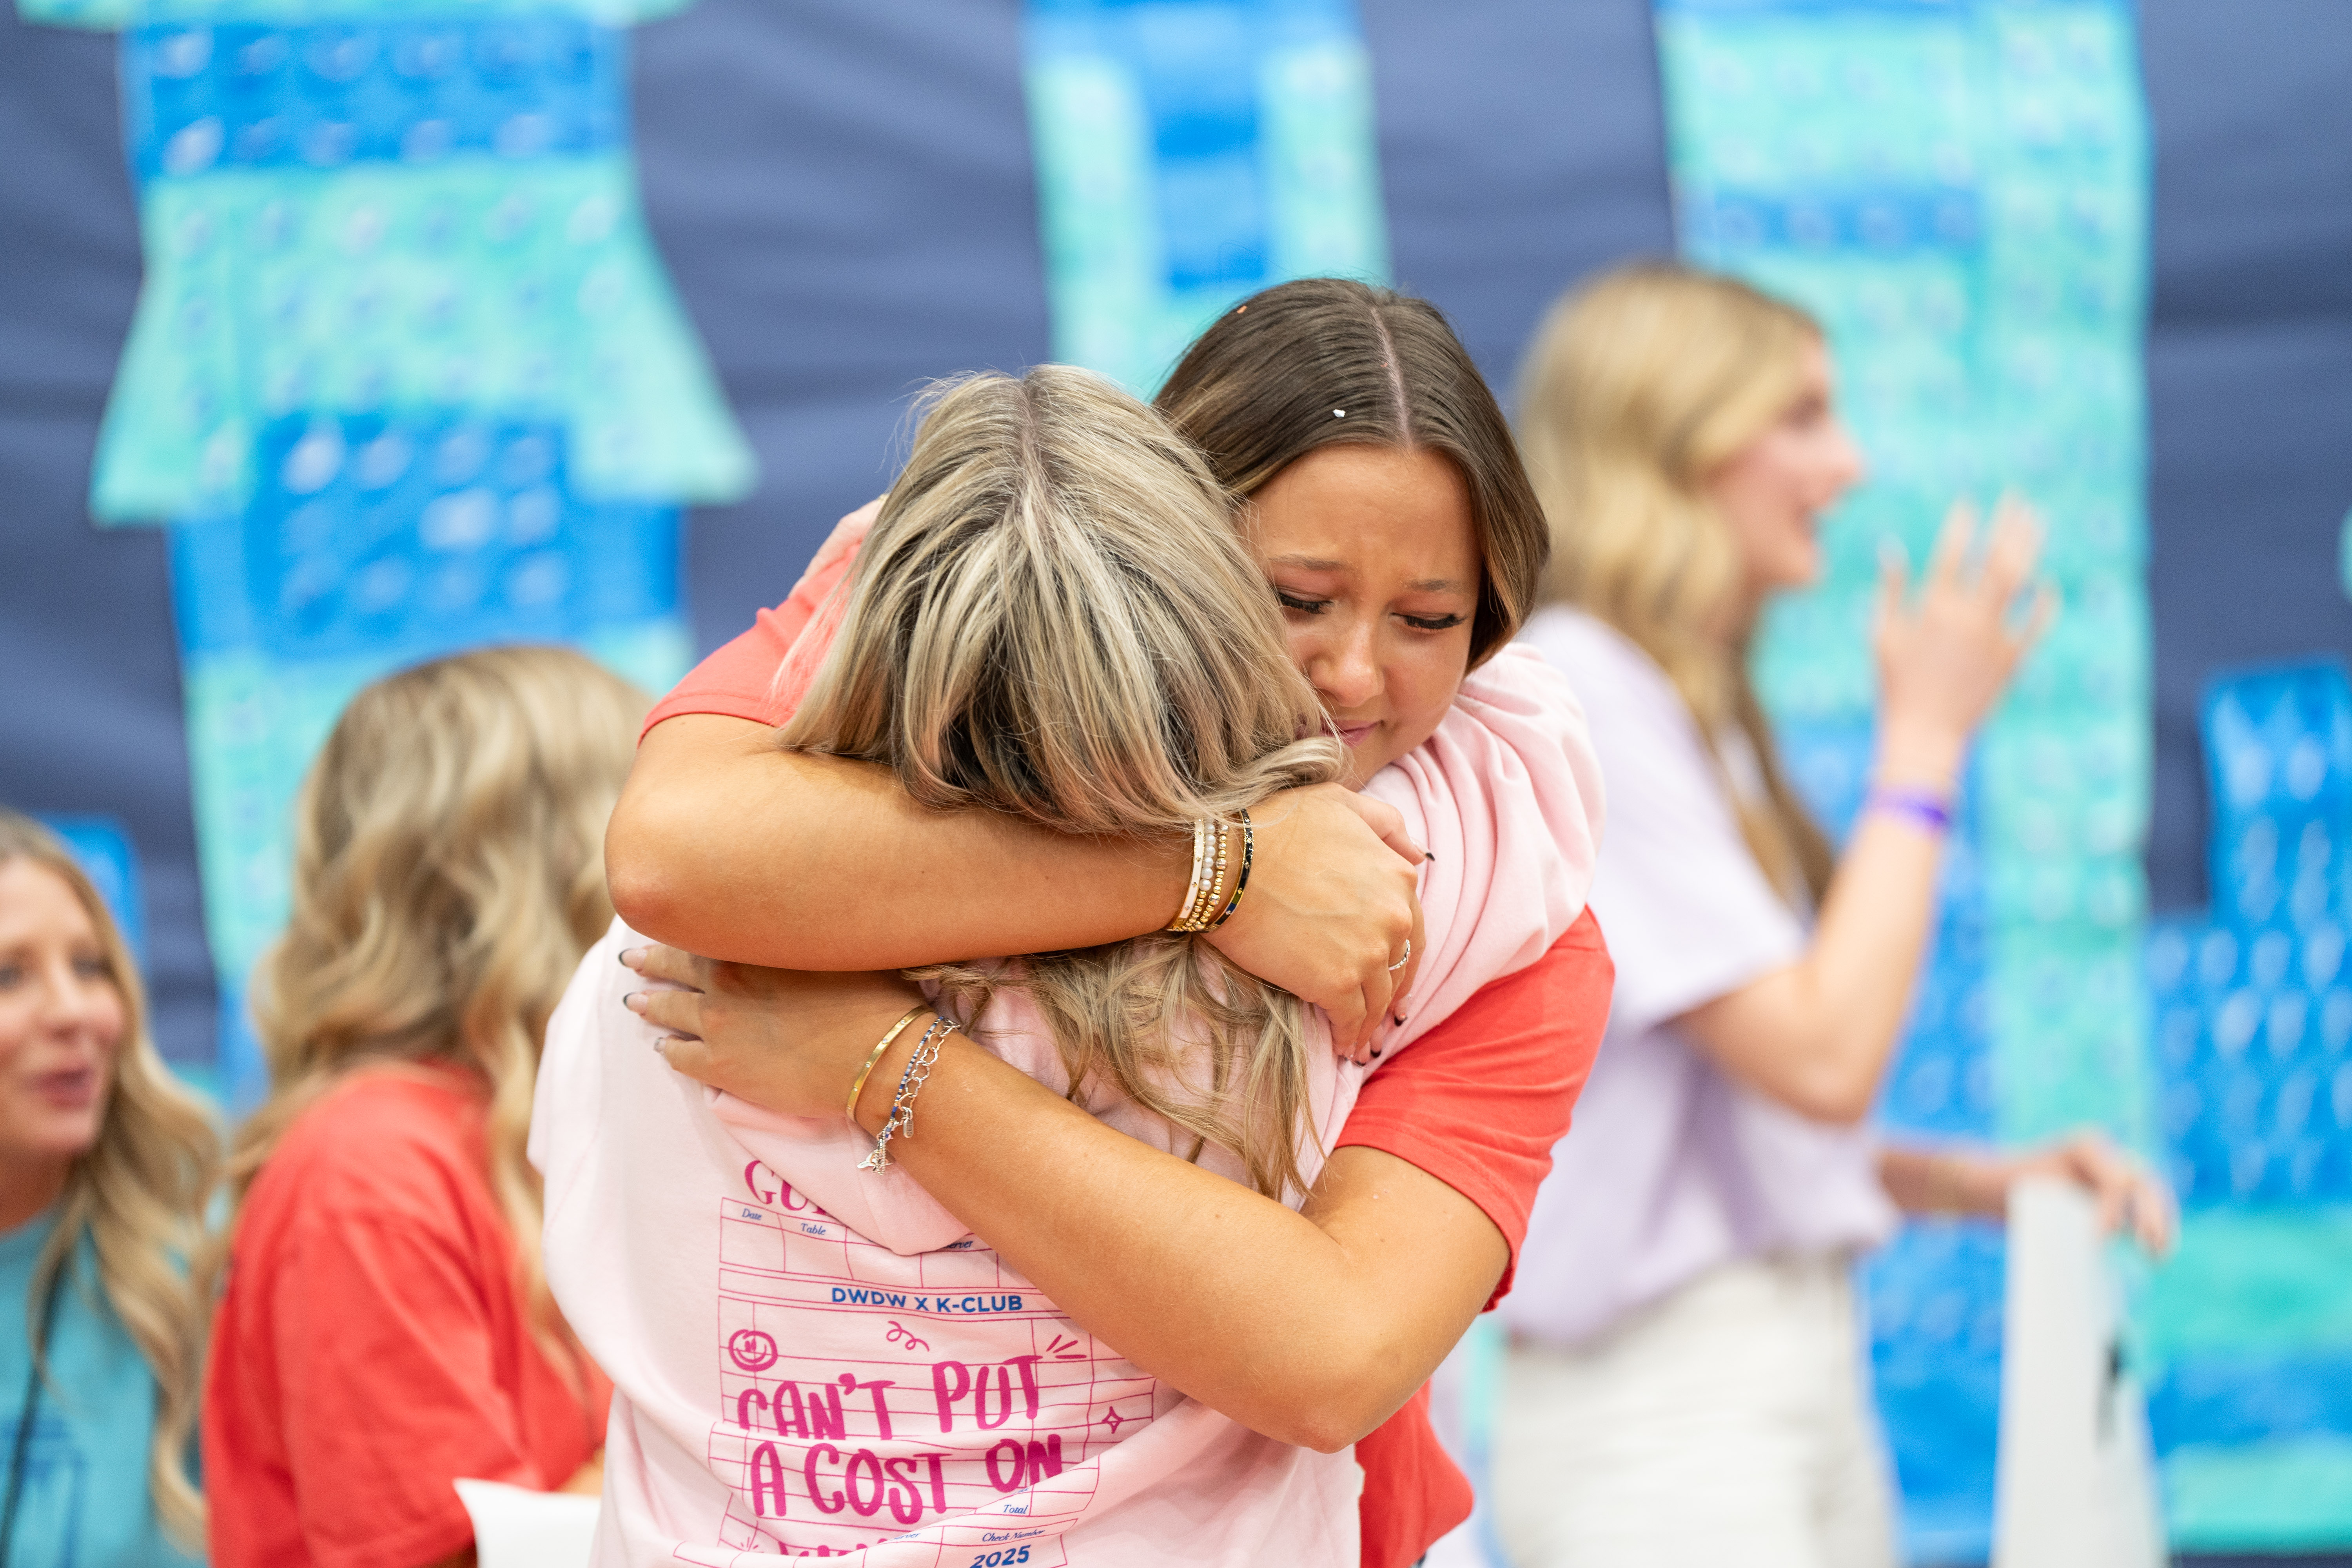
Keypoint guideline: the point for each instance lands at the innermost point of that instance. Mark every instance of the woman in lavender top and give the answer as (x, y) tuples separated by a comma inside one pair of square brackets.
[(1686, 1376)]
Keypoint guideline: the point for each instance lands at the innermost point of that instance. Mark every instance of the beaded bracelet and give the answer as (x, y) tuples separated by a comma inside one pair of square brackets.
[(1241, 883), (1199, 864), (901, 1119), (1214, 894), (1206, 893)]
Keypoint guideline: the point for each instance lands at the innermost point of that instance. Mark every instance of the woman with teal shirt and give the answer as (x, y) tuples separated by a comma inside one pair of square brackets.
[(104, 1164)]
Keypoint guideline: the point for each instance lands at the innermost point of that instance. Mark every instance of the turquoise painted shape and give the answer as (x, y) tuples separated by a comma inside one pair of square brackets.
[(371, 543), (1190, 152), (405, 377), (1958, 193), (348, 208)]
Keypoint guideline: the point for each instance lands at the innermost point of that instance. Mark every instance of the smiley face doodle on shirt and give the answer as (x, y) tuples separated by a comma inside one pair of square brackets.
[(752, 1348)]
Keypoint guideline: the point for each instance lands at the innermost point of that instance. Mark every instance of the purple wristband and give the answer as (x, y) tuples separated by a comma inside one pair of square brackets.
[(1928, 809)]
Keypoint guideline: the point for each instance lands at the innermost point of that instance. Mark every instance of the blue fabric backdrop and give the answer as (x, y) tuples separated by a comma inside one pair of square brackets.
[(844, 195)]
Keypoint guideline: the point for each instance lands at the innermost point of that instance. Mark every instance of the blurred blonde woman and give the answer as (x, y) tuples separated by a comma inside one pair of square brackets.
[(1686, 1379), (104, 1165), (385, 1326)]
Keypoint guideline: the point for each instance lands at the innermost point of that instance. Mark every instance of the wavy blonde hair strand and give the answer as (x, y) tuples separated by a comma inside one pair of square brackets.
[(448, 875), (1637, 389)]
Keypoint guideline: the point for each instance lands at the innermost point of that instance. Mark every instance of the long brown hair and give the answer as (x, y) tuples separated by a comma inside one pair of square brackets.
[(139, 1192), (448, 875), (1055, 619), (1327, 361), (1637, 389)]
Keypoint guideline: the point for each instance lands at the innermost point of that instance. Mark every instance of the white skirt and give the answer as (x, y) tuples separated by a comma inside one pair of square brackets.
[(1729, 1423)]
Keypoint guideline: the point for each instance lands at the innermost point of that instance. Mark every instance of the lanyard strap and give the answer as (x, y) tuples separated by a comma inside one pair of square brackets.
[(23, 1445)]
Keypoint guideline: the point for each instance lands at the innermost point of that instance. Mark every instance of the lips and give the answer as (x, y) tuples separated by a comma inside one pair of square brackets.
[(72, 1089), (1353, 735)]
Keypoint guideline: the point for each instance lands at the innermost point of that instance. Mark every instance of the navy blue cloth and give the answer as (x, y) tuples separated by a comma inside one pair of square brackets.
[(2249, 367)]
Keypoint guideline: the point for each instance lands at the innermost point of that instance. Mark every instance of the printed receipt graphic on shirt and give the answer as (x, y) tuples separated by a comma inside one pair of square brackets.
[(842, 1426)]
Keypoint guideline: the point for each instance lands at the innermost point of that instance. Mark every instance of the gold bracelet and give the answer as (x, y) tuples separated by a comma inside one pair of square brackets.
[(1216, 898), (901, 1119), (913, 1013), (1241, 881)]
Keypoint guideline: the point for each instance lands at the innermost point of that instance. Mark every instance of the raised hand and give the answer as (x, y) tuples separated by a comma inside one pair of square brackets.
[(1945, 657)]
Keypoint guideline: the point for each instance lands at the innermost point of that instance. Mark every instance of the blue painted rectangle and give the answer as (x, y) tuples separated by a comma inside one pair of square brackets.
[(2233, 1400), (1190, 153), (333, 93), (398, 536)]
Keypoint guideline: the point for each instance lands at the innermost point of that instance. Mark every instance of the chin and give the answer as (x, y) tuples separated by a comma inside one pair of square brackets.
[(1365, 760)]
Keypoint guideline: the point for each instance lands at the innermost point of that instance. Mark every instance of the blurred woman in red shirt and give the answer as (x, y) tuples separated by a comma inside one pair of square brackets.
[(385, 1327)]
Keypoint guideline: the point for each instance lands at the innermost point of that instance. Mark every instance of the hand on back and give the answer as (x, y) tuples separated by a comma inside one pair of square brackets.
[(787, 1040), (1945, 656)]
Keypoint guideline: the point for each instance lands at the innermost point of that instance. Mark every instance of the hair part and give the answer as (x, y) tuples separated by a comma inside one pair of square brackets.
[(1054, 618), (1330, 361), (448, 876), (1638, 387), (139, 1192)]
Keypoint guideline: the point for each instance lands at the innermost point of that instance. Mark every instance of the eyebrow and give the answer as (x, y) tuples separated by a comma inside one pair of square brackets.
[(1420, 585)]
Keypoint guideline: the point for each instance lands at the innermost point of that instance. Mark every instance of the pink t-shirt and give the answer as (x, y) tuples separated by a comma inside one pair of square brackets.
[(812, 1359)]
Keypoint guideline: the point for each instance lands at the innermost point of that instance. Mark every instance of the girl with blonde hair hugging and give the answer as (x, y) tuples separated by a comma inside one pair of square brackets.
[(1053, 618), (385, 1326), (104, 1165)]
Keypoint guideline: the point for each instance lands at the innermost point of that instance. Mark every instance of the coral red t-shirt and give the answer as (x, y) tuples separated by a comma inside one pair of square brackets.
[(374, 1345), (1478, 1101)]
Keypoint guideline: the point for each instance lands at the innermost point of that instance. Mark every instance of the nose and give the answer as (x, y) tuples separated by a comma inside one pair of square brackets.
[(1847, 466), (1347, 669)]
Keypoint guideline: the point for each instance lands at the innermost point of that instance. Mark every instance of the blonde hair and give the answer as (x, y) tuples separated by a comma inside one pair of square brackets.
[(139, 1193), (1055, 619), (448, 875), (1637, 389)]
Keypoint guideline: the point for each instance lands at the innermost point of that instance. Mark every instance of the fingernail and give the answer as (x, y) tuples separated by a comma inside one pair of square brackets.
[(632, 956), (635, 1001), (1398, 1016), (661, 1046), (1429, 854)]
